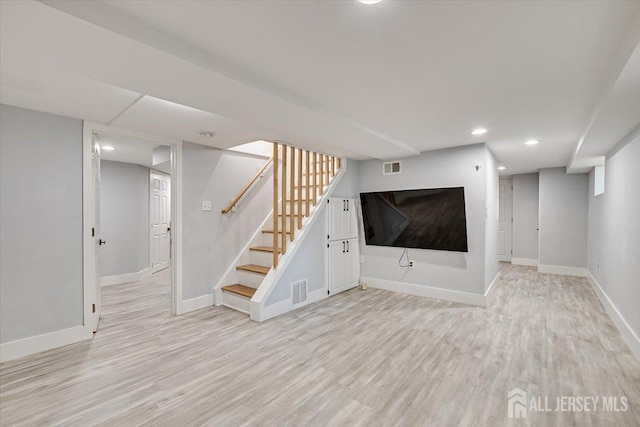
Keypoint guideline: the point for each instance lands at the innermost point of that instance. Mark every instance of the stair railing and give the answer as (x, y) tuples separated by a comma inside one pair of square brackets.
[(290, 164), (247, 187)]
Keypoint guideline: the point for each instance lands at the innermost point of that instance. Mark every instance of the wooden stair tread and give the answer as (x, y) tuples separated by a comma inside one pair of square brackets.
[(271, 232), (259, 269), (239, 289), (264, 249)]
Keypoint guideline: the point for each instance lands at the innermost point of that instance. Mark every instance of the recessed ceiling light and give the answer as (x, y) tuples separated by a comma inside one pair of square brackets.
[(479, 131), (532, 142), (369, 2), (107, 147), (501, 168), (206, 134)]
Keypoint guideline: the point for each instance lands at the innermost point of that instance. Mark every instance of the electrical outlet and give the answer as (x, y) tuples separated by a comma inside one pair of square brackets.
[(361, 259), (206, 205), (412, 264)]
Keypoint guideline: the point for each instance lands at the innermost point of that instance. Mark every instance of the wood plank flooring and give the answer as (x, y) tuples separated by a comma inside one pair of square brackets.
[(367, 358)]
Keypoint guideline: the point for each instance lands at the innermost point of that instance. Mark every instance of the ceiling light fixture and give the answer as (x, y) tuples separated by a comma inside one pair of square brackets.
[(206, 134), (532, 142), (107, 147), (369, 2), (501, 168), (479, 131)]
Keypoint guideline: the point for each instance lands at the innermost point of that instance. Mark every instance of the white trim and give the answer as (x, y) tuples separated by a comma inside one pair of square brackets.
[(559, 269), (525, 261), (125, 278), (88, 207), (27, 346), (285, 306), (627, 332), (197, 303), (491, 289), (425, 291)]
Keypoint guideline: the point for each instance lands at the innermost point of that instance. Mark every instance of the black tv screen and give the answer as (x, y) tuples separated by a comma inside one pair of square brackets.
[(427, 219)]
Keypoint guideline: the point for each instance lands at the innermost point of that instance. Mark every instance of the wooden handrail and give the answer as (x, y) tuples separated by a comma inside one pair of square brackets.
[(247, 187)]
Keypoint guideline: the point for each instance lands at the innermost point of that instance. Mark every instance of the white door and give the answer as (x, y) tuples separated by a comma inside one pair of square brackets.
[(95, 159), (160, 213), (351, 219), (335, 214), (336, 276), (352, 264), (505, 220)]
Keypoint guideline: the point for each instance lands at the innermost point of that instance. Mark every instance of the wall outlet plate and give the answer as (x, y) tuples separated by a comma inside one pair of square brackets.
[(206, 205), (361, 259)]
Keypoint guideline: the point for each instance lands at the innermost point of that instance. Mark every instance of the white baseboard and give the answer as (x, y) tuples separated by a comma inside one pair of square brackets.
[(197, 303), (491, 289), (286, 306), (627, 332), (566, 271), (125, 278), (426, 291), (525, 261), (27, 346)]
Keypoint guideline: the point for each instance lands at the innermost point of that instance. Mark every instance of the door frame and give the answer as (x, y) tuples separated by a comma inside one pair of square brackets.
[(90, 287), (151, 172), (508, 257)]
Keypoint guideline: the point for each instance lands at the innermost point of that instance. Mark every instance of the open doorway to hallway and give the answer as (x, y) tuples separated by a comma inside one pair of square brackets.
[(133, 218)]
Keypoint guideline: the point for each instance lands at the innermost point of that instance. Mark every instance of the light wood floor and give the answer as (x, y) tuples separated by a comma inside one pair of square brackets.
[(366, 358)]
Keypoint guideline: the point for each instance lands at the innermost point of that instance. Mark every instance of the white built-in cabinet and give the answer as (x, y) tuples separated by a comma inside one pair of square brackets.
[(343, 259)]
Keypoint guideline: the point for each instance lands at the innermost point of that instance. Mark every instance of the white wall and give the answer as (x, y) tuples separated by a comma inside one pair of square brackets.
[(40, 223), (453, 167), (211, 240), (563, 218), (309, 261), (124, 218), (525, 216), (492, 219), (614, 232)]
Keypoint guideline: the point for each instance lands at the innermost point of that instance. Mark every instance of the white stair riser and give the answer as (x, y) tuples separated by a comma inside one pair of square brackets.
[(264, 259), (250, 279), (237, 302)]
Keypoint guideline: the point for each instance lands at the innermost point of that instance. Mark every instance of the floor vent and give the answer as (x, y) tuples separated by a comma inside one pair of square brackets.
[(391, 168), (299, 292)]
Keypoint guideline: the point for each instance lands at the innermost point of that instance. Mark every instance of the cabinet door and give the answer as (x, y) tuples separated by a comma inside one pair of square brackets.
[(352, 264), (350, 219), (335, 215), (337, 251)]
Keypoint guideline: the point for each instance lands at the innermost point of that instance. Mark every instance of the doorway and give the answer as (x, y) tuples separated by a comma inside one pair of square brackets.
[(129, 208)]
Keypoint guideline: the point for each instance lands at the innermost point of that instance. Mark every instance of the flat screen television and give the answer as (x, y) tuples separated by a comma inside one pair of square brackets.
[(431, 218)]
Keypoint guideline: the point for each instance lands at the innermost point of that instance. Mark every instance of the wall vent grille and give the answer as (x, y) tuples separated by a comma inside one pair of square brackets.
[(391, 168), (299, 292)]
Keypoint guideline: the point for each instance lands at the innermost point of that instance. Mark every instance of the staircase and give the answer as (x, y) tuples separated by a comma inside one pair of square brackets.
[(300, 178)]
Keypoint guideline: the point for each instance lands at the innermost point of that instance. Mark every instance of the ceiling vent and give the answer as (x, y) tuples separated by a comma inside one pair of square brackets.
[(299, 292), (391, 168)]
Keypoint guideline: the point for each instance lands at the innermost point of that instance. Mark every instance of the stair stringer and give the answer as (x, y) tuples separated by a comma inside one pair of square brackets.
[(230, 276), (258, 311)]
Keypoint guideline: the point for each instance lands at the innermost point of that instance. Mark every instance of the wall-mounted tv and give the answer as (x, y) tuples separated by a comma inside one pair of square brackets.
[(432, 218)]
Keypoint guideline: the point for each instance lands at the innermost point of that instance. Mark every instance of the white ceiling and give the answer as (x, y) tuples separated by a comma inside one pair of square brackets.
[(127, 149), (384, 81)]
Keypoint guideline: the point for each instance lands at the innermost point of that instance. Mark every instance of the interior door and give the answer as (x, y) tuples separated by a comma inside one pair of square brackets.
[(336, 276), (505, 225), (160, 218), (352, 264), (350, 219), (335, 213), (95, 159)]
